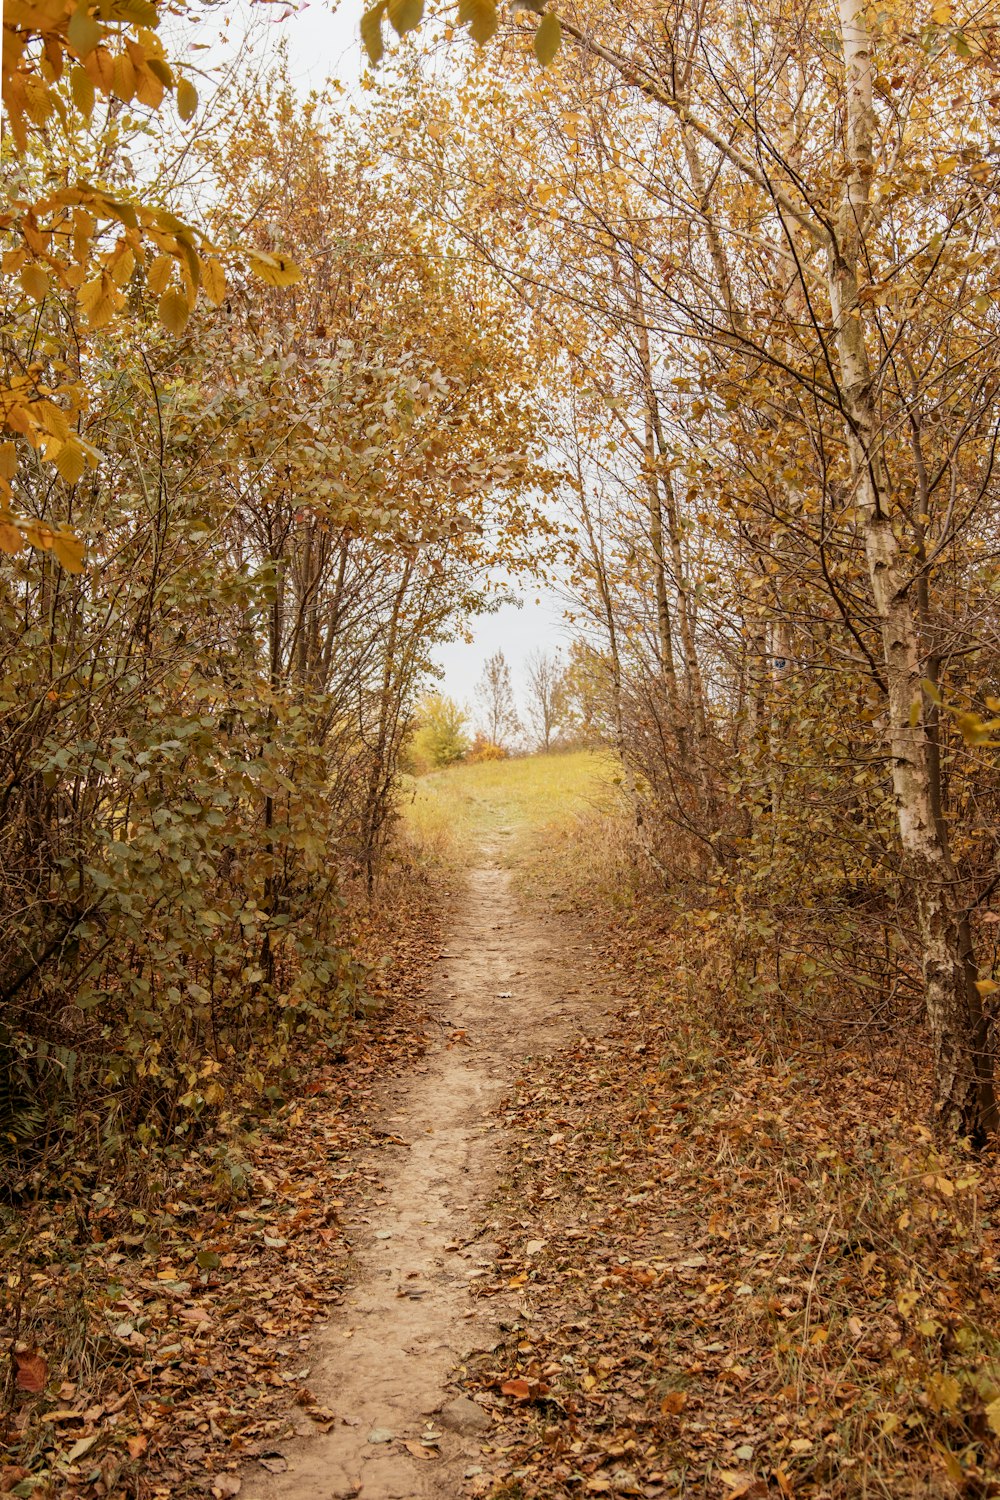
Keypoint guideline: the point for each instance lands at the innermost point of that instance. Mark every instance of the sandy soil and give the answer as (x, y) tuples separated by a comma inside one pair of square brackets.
[(511, 983)]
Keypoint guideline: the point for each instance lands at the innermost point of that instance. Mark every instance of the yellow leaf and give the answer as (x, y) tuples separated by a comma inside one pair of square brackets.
[(69, 550), (70, 462), (8, 460), (187, 98), (481, 18), (123, 76), (993, 1415), (35, 280), (371, 33), (213, 279), (159, 273), (12, 542), (943, 1391), (275, 270), (948, 165), (53, 419), (123, 266), (907, 1300), (987, 987), (148, 87), (97, 299), (162, 69), (101, 69), (173, 311), (405, 15), (81, 86)]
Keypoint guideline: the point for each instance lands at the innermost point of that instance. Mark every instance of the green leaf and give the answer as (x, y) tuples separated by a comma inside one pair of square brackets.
[(371, 33), (481, 18), (548, 35), (187, 98), (162, 70), (405, 14), (83, 32)]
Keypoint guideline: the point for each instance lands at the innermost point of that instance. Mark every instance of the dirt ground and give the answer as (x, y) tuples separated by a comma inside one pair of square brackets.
[(510, 984)]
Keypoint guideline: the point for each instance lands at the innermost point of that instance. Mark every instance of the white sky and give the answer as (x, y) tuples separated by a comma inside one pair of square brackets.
[(323, 42), (537, 626)]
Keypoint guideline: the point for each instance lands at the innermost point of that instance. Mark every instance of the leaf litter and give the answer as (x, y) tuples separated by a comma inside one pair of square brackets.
[(156, 1347), (740, 1270)]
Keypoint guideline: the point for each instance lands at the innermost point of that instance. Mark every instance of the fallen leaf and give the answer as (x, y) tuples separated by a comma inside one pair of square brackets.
[(419, 1450), (82, 1447), (274, 1463), (673, 1403), (521, 1389), (324, 1418), (32, 1371), (226, 1485)]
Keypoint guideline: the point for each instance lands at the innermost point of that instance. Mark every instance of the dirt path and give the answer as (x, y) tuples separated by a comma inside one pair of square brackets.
[(509, 985)]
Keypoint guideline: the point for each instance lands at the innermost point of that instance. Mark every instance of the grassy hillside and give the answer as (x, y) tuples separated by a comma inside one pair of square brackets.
[(512, 804)]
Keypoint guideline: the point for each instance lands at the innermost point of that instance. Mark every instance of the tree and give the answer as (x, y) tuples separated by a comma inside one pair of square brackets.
[(835, 335), (495, 693), (546, 697), (439, 737)]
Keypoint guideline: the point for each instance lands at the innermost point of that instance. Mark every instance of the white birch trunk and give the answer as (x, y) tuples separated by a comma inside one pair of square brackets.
[(964, 1086)]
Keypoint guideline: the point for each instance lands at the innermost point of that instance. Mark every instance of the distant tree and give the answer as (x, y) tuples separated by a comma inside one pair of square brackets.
[(483, 749), (588, 696), (496, 699), (440, 738), (546, 697)]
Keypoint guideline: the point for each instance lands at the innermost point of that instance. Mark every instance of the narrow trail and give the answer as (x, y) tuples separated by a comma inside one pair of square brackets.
[(510, 984)]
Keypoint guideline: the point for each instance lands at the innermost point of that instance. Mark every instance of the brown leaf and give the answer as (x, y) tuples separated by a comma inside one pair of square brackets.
[(673, 1403), (138, 1445), (322, 1416), (419, 1450), (521, 1389), (32, 1371), (226, 1485)]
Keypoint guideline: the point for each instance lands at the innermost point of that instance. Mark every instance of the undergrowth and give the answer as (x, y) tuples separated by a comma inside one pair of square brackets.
[(747, 1265), (156, 1301)]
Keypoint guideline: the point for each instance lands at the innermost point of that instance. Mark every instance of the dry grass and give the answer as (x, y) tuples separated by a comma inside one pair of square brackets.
[(519, 805)]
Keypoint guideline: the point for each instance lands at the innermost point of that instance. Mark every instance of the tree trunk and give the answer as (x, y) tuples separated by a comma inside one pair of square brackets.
[(963, 1074)]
